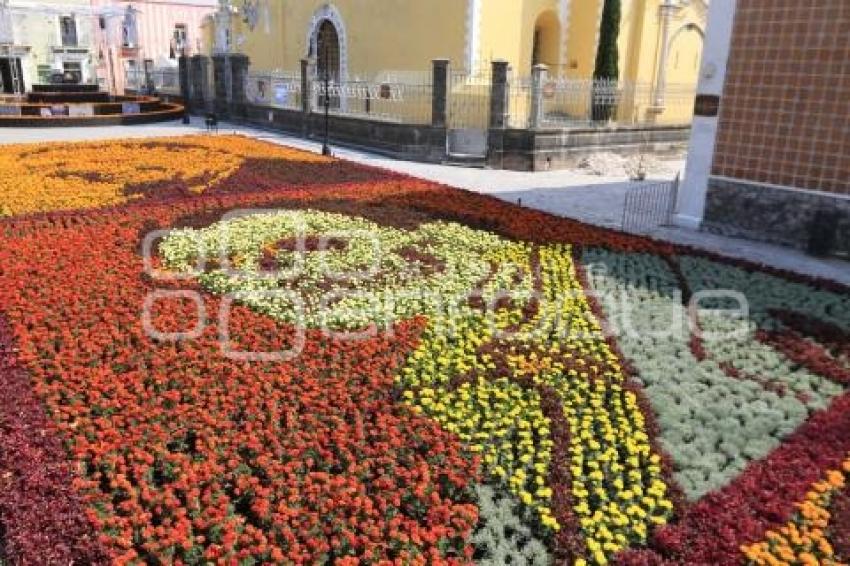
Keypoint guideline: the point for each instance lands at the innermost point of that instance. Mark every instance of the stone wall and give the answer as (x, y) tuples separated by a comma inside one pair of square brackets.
[(783, 117), (529, 149), (543, 150), (774, 214), (403, 141)]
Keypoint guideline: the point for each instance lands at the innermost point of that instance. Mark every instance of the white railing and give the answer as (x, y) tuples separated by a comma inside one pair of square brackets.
[(278, 89), (540, 101), (165, 80), (134, 79), (577, 102), (403, 97), (392, 96)]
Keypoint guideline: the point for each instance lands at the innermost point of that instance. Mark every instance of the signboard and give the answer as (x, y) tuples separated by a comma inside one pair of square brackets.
[(10, 110), (58, 110), (281, 94), (549, 90), (707, 105), (81, 110), (130, 108)]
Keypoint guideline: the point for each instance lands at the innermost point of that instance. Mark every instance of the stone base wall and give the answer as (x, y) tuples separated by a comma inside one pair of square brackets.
[(543, 150), (517, 150), (402, 141), (773, 214)]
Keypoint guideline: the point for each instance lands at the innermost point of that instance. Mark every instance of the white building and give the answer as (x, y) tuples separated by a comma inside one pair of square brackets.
[(40, 38)]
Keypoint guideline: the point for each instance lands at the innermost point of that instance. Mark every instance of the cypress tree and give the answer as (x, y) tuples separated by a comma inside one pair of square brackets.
[(607, 67), (607, 55)]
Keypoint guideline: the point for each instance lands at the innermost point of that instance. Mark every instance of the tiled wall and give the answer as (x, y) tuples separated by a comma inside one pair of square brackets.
[(785, 114)]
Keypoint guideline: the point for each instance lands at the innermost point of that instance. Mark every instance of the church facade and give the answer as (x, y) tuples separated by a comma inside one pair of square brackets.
[(660, 41)]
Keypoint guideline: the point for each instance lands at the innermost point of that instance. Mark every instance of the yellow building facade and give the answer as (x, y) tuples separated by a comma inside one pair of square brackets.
[(660, 41), (395, 35)]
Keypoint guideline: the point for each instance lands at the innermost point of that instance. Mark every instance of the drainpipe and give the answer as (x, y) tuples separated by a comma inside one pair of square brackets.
[(667, 8)]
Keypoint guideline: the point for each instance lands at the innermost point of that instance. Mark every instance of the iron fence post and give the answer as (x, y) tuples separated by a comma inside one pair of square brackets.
[(499, 96), (539, 74), (439, 92)]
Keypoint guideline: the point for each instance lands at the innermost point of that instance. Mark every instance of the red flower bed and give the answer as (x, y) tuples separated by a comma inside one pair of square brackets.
[(185, 455)]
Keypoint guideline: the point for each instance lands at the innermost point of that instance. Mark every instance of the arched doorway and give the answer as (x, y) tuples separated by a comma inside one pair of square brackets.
[(684, 54), (546, 46), (327, 52), (679, 74), (327, 48), (327, 59)]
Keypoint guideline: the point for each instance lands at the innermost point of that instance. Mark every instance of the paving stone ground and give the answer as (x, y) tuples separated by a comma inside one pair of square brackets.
[(574, 194)]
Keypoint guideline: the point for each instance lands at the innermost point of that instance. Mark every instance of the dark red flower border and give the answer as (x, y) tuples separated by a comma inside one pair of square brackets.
[(839, 526), (43, 518)]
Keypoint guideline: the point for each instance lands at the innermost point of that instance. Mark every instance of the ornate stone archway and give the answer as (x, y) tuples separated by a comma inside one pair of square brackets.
[(329, 13)]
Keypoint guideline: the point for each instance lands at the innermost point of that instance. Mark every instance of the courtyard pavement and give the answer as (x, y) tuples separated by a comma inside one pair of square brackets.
[(590, 198)]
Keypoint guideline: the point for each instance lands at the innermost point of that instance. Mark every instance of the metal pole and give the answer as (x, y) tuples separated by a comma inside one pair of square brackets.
[(326, 150), (184, 78), (626, 206)]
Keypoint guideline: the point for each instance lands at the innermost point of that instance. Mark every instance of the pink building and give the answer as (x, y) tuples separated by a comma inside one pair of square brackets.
[(134, 35)]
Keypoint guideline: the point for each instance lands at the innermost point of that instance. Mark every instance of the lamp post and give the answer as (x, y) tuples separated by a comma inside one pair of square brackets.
[(183, 70), (324, 55), (326, 149)]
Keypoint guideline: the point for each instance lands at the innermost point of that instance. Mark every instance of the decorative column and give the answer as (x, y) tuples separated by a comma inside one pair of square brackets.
[(200, 83), (539, 75), (239, 64), (439, 93), (473, 34), (306, 96), (499, 95), (306, 87), (690, 206), (222, 40), (221, 92), (185, 88), (668, 9), (564, 10), (149, 86), (6, 31), (498, 114)]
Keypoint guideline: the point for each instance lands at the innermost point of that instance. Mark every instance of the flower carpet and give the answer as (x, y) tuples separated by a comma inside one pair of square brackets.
[(218, 350)]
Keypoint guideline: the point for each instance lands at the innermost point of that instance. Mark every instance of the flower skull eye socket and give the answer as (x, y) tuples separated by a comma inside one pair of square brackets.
[(279, 254)]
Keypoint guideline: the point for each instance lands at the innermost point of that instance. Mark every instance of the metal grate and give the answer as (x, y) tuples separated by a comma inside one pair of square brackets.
[(468, 112), (650, 206), (587, 102)]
